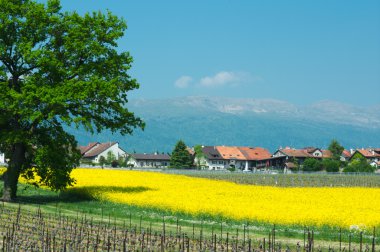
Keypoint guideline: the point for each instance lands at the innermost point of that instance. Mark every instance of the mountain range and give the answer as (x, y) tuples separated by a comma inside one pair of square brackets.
[(267, 123)]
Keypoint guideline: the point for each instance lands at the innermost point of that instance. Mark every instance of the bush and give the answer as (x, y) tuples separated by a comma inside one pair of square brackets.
[(231, 169), (312, 164), (359, 165), (114, 163), (331, 165)]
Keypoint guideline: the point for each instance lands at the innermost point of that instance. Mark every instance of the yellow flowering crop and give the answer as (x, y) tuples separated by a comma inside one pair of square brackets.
[(310, 206)]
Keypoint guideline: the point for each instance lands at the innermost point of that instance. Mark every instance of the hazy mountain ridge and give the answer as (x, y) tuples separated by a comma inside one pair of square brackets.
[(329, 111), (256, 122)]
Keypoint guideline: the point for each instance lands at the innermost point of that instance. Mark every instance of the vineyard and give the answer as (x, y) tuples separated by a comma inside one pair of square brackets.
[(27, 230), (119, 210)]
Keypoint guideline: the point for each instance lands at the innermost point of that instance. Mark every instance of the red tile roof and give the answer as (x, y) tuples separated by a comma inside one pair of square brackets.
[(229, 152), (346, 153), (368, 153), (255, 153)]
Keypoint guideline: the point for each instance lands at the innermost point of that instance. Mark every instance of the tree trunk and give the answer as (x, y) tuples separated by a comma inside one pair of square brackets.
[(12, 174)]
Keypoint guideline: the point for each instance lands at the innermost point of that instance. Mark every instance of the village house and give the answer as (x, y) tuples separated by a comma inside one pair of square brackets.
[(290, 157), (148, 160), (258, 157), (223, 157), (211, 160), (372, 155), (93, 151), (346, 155)]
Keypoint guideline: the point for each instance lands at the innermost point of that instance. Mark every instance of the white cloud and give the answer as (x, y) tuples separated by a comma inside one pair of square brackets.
[(225, 78), (183, 81)]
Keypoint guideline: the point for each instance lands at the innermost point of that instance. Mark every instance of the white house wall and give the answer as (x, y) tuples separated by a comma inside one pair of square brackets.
[(2, 158), (216, 164), (132, 162), (224, 164), (317, 153), (148, 163), (114, 149), (278, 154)]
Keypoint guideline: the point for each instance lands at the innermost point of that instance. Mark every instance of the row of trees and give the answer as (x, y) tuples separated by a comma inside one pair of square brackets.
[(334, 164), (358, 164)]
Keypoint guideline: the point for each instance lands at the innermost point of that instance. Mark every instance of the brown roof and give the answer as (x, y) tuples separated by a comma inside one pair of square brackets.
[(84, 149), (305, 152), (310, 149), (327, 154), (290, 165), (229, 152), (211, 153), (255, 153), (99, 149), (296, 152)]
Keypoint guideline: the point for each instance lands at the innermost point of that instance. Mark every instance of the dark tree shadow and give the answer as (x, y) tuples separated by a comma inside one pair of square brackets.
[(80, 194)]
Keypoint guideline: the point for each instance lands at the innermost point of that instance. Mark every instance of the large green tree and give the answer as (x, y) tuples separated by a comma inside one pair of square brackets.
[(199, 155), (58, 68), (180, 157), (336, 149)]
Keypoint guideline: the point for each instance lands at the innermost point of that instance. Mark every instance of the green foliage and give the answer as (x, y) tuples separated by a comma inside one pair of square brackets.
[(180, 157), (87, 161), (357, 156), (336, 149), (331, 165), (58, 68), (312, 164), (110, 157), (114, 163), (199, 155), (122, 162), (102, 161), (359, 164), (231, 169), (296, 162)]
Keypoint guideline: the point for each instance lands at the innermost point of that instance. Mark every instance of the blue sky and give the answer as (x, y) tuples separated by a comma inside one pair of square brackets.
[(297, 51)]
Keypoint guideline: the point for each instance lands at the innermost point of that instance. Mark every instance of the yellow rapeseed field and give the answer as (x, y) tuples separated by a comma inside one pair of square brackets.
[(342, 207)]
